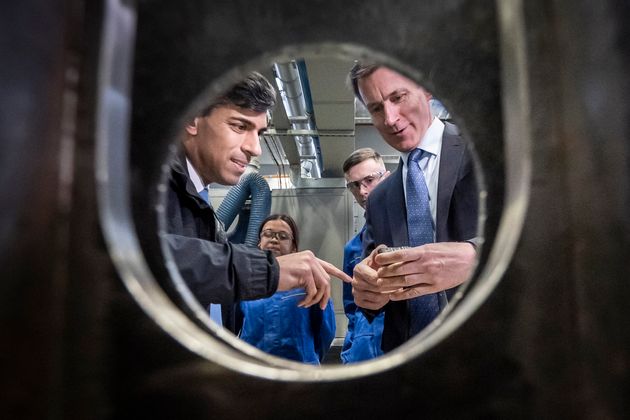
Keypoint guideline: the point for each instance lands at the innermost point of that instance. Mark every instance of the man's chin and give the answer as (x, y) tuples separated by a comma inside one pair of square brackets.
[(405, 145), (231, 179)]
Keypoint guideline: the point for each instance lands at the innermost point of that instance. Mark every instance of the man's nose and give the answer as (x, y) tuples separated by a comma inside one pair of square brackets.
[(390, 114), (252, 144)]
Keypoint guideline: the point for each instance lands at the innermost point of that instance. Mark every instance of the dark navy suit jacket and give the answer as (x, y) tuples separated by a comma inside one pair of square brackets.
[(457, 213)]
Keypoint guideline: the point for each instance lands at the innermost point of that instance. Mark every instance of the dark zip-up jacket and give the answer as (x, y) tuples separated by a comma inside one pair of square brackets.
[(215, 270)]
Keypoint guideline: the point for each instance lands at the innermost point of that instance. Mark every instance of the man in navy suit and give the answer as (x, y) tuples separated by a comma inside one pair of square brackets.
[(389, 282)]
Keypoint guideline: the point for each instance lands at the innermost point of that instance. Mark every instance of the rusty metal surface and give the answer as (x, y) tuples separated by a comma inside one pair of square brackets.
[(551, 341)]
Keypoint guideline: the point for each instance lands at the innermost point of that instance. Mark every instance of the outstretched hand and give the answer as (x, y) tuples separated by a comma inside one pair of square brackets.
[(303, 269)]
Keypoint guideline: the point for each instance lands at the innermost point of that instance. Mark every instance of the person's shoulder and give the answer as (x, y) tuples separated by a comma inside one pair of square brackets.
[(386, 183), (453, 136), (451, 129), (352, 243)]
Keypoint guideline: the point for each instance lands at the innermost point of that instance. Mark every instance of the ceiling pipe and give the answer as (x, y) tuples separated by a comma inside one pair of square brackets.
[(292, 82)]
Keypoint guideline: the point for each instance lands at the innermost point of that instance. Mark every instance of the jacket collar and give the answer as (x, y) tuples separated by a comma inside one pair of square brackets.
[(179, 173)]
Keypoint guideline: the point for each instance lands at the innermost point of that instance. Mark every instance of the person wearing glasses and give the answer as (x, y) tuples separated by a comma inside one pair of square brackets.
[(364, 169), (428, 205), (279, 325)]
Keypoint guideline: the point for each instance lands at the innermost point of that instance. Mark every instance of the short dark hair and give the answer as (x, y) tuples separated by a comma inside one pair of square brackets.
[(289, 221), (358, 72), (253, 92), (359, 156)]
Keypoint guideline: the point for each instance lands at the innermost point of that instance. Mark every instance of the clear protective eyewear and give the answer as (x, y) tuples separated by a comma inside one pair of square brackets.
[(281, 236), (366, 181)]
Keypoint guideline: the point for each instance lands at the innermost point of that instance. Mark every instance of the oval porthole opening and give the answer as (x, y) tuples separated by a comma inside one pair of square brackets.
[(212, 342), (426, 339)]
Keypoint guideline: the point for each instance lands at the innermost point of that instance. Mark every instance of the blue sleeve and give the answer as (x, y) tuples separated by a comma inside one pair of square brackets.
[(350, 259), (350, 309), (351, 256), (324, 327)]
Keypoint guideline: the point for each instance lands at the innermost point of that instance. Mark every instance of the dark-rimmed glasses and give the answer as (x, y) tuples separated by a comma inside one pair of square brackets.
[(281, 236), (366, 181)]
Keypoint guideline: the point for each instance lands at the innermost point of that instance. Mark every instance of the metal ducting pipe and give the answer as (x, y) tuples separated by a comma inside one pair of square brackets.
[(293, 86), (246, 231)]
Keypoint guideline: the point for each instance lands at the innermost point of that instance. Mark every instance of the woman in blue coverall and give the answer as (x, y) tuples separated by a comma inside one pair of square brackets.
[(276, 324)]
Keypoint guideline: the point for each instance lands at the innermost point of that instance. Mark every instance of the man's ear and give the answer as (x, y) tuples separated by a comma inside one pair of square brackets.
[(191, 128), (386, 174)]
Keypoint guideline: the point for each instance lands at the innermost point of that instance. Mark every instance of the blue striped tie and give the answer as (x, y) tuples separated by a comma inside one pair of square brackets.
[(204, 194), (423, 309)]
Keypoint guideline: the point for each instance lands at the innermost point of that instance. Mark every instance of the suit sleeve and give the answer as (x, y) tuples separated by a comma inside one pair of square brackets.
[(465, 204), (368, 235), (223, 273)]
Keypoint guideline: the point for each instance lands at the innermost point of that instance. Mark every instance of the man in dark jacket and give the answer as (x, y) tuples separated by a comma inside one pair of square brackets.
[(218, 144)]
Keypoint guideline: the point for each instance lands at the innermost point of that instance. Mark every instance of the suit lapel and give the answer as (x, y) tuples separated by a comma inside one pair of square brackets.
[(450, 161), (396, 210)]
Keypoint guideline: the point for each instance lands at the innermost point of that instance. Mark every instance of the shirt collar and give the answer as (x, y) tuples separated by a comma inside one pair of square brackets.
[(194, 177), (431, 141)]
